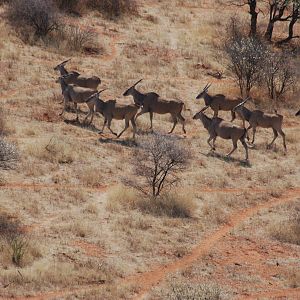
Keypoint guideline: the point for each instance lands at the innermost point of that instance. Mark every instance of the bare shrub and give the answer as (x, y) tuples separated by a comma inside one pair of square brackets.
[(279, 73), (114, 8), (11, 233), (246, 57), (78, 39), (8, 155), (37, 15), (189, 291), (157, 161)]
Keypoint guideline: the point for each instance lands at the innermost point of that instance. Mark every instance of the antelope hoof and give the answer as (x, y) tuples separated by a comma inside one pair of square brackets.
[(100, 132)]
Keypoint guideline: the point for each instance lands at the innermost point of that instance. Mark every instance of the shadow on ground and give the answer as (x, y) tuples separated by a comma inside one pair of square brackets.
[(127, 143), (76, 123), (222, 157)]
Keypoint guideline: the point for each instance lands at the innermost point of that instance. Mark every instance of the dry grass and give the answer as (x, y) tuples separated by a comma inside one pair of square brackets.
[(171, 205), (172, 47), (287, 231), (91, 176), (53, 150), (181, 289), (293, 278)]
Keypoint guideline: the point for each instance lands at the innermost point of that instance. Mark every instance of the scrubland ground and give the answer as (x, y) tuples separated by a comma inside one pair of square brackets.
[(87, 236)]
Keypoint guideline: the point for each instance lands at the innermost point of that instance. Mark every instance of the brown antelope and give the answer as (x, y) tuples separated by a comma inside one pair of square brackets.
[(225, 130), (258, 118), (77, 79), (76, 94), (218, 102), (152, 103), (112, 110)]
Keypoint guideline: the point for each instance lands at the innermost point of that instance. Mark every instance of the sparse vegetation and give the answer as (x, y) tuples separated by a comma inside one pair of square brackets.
[(37, 16), (170, 204), (279, 73), (84, 235), (12, 235), (8, 154), (246, 55), (160, 159), (190, 291), (115, 8), (288, 231), (70, 6), (78, 39)]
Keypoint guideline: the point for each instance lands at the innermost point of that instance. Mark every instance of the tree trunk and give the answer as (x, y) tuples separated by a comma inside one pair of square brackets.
[(293, 21), (269, 31), (254, 14)]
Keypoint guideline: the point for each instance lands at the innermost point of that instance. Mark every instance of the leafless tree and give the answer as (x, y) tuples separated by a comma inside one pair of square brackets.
[(40, 15), (246, 57), (157, 161), (279, 73)]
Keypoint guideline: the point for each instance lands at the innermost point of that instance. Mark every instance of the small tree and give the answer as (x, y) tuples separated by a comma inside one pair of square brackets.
[(246, 58), (156, 163), (279, 74), (40, 15)]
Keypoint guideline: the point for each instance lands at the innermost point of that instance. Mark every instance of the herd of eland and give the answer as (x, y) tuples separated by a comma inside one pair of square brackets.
[(80, 89)]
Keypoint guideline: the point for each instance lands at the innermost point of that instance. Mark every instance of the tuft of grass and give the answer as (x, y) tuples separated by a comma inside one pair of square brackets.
[(53, 150), (287, 231), (120, 197), (91, 177), (188, 291), (169, 205)]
